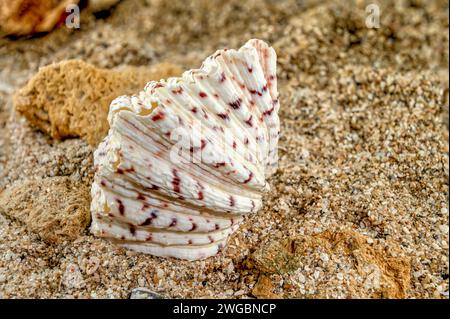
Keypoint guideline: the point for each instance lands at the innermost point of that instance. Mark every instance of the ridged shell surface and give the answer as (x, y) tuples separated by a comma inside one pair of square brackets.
[(187, 157)]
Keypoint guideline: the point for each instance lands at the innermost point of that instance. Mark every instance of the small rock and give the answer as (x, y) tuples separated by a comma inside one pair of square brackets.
[(160, 273), (301, 278), (324, 257), (443, 229), (144, 293), (91, 265), (72, 277), (230, 268), (276, 257), (316, 274), (239, 293), (229, 292), (141, 281), (264, 288)]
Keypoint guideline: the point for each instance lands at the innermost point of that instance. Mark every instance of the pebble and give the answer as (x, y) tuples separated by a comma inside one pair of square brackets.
[(239, 293), (443, 229), (324, 257), (144, 293), (301, 278), (72, 277)]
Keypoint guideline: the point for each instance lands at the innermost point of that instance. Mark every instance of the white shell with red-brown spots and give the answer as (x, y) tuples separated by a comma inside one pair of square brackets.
[(187, 157)]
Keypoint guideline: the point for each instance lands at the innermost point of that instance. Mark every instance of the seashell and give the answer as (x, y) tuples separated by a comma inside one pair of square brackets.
[(188, 157)]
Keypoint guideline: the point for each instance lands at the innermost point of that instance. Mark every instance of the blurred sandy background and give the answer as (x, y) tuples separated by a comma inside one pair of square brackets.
[(359, 205)]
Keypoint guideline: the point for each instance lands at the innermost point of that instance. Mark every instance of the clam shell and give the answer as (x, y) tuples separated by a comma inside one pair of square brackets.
[(188, 157)]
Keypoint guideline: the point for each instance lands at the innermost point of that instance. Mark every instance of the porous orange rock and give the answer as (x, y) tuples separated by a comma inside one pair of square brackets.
[(55, 208), (24, 17), (71, 98), (263, 288), (391, 269)]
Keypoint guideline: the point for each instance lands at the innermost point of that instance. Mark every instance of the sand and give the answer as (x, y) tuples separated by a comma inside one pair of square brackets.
[(359, 205)]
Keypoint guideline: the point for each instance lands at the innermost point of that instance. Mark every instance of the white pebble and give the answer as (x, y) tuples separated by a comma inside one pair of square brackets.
[(72, 277), (324, 257), (141, 281), (239, 293), (443, 229), (301, 278), (160, 273)]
